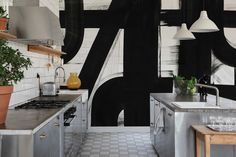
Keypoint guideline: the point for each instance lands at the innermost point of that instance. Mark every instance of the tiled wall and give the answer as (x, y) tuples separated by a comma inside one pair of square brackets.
[(29, 88), (114, 61), (75, 65), (112, 65)]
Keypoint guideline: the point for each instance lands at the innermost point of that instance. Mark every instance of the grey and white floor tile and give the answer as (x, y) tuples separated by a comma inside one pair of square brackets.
[(117, 145)]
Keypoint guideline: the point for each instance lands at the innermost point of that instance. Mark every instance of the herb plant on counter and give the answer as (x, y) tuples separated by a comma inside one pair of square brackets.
[(12, 66), (183, 86)]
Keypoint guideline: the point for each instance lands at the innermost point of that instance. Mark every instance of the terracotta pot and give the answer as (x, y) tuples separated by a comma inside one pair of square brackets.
[(73, 81), (5, 95), (3, 23)]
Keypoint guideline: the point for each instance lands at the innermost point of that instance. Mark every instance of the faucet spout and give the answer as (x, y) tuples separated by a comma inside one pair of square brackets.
[(56, 74), (211, 87)]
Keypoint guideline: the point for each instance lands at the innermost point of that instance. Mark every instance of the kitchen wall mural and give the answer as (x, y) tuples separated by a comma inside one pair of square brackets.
[(124, 49)]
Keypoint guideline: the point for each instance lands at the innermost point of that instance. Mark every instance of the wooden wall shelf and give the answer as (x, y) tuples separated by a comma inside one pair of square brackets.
[(44, 50), (33, 48), (7, 36)]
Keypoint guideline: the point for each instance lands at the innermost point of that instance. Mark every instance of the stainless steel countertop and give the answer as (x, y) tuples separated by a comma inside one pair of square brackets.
[(29, 121), (226, 105)]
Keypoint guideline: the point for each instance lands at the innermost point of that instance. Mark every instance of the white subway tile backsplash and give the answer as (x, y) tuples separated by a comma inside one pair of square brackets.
[(28, 87), (21, 96)]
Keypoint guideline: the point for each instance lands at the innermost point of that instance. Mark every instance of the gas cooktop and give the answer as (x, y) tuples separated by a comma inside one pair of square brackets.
[(43, 104)]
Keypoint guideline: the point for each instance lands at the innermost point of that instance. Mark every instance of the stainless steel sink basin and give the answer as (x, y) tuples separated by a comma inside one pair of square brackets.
[(194, 105)]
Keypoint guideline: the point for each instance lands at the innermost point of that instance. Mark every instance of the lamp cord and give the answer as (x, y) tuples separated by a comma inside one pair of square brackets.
[(203, 4), (183, 10)]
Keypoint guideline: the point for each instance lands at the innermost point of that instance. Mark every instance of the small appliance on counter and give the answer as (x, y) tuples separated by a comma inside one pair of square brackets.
[(49, 89)]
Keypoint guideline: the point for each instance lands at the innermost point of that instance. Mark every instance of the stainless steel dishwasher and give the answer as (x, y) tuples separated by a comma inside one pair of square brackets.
[(163, 132), (73, 135)]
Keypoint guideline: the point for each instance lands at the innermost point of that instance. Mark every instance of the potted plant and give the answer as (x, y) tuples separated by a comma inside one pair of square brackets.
[(3, 19), (12, 65), (184, 86)]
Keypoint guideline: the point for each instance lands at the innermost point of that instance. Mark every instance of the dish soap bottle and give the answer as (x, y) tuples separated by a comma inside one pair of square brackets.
[(73, 81)]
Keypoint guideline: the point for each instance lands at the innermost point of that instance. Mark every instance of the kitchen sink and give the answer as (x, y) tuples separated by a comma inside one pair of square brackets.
[(194, 105)]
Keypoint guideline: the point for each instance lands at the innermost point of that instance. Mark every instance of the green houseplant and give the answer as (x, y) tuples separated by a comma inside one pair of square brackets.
[(3, 19), (12, 66), (184, 86)]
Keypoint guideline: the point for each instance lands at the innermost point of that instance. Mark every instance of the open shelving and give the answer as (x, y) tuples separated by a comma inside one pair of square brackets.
[(41, 49), (7, 36), (44, 50)]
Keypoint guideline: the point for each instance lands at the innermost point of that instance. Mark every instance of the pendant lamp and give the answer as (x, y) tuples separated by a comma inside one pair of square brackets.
[(204, 24), (183, 33)]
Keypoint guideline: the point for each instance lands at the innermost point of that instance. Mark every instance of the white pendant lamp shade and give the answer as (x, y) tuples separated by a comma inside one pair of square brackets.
[(204, 24), (183, 33)]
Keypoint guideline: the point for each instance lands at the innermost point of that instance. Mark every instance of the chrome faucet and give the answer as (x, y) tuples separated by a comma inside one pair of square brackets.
[(211, 87), (56, 75)]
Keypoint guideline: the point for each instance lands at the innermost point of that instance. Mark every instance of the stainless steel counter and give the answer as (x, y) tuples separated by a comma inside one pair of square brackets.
[(226, 105), (29, 121), (171, 132)]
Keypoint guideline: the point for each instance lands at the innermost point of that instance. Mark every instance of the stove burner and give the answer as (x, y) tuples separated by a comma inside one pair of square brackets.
[(42, 104)]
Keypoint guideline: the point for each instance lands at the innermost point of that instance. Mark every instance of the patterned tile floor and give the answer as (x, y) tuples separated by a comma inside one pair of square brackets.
[(117, 145)]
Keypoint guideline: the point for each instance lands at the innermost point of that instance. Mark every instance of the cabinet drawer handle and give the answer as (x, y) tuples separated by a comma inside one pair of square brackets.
[(56, 124), (42, 136)]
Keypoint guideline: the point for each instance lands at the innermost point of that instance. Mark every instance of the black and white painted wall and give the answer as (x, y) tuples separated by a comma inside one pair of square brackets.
[(124, 49)]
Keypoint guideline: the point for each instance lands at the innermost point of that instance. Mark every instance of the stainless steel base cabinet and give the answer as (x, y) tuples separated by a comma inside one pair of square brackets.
[(47, 140), (161, 128), (44, 143)]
